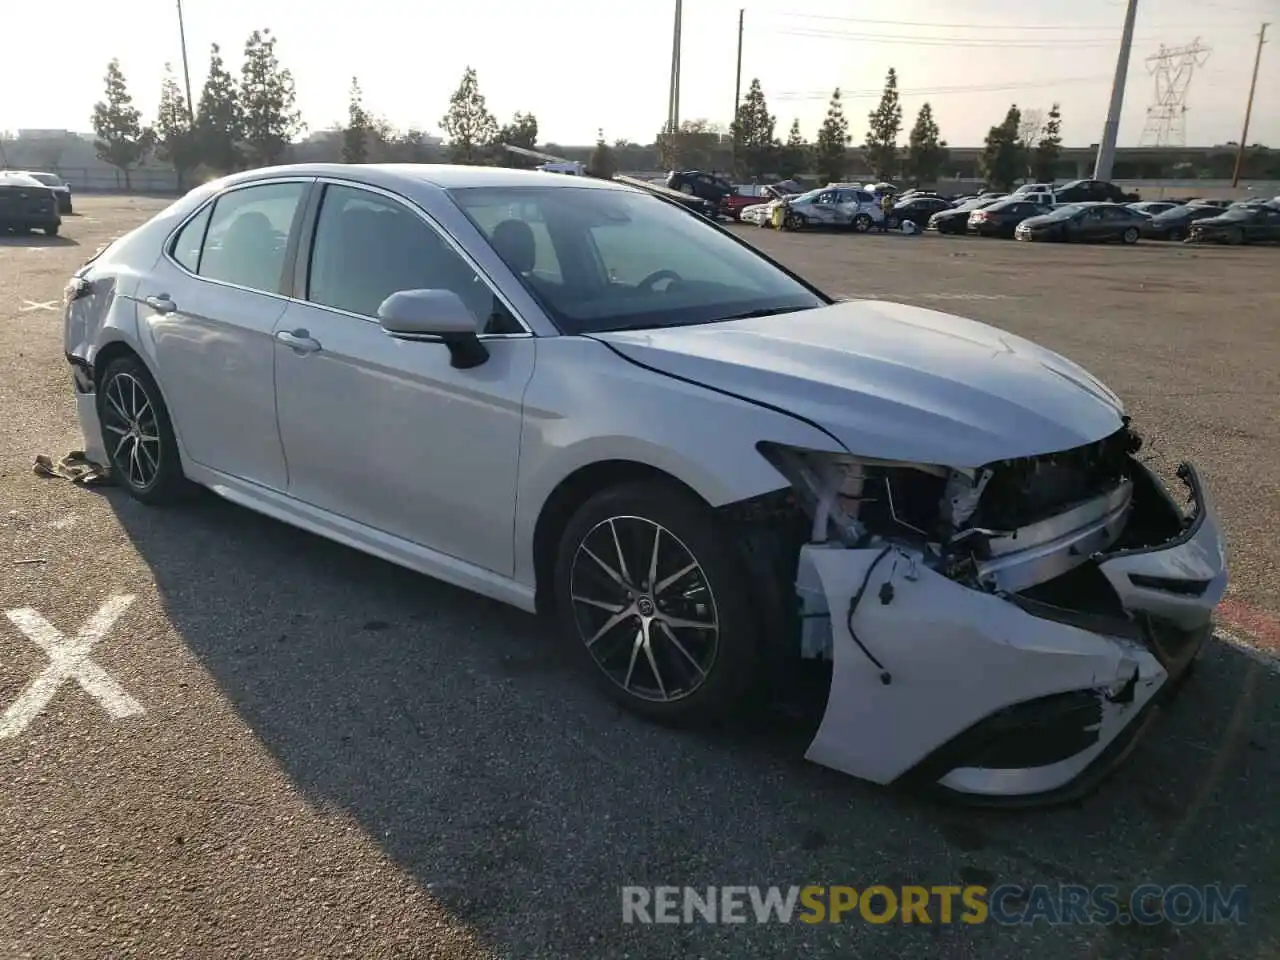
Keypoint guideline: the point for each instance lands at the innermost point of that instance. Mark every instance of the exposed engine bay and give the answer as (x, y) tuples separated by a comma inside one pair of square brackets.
[(1009, 527)]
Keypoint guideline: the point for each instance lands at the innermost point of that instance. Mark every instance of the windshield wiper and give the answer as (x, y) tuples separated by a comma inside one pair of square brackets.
[(763, 312)]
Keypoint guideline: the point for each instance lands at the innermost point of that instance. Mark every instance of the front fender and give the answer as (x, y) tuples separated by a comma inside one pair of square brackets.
[(586, 405)]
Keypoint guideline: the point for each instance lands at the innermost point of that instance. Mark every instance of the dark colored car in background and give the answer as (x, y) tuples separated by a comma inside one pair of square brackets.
[(61, 189), (1001, 219), (956, 219), (710, 187), (27, 204), (1175, 224), (918, 208), (1153, 208), (1097, 222), (1243, 223), (1093, 191)]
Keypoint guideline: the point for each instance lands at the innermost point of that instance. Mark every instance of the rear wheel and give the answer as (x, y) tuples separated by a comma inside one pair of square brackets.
[(51, 231), (862, 222), (1175, 235), (138, 434), (651, 594), (1130, 235), (1235, 237)]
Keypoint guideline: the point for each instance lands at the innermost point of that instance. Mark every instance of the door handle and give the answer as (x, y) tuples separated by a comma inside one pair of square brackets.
[(299, 341), (161, 303)]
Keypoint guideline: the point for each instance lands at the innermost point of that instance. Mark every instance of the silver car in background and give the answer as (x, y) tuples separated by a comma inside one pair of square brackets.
[(573, 397)]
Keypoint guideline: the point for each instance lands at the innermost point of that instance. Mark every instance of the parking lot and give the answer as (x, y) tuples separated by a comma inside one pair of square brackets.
[(282, 748)]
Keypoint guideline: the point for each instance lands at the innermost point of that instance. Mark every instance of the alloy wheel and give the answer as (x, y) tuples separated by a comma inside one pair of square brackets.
[(644, 609), (131, 431)]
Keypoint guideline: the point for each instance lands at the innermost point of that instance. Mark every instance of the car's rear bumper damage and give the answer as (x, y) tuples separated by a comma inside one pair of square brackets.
[(1022, 669)]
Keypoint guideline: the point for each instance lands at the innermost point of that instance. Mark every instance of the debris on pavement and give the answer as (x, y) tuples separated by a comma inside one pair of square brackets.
[(75, 466)]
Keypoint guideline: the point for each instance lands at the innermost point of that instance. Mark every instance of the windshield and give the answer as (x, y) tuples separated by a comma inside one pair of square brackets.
[(599, 260), (48, 179), (1237, 213)]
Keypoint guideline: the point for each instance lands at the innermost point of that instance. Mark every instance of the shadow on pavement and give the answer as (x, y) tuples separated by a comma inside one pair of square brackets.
[(11, 239), (466, 745)]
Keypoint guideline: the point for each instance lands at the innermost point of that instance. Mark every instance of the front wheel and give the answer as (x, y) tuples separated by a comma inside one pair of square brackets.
[(138, 435), (1130, 235), (651, 593), (793, 221)]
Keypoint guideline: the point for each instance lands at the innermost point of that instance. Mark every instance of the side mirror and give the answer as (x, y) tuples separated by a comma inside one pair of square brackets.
[(435, 314)]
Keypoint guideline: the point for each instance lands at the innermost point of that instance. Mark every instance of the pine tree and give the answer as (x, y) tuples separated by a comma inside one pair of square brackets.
[(355, 135), (755, 149), (1003, 158), (122, 140), (267, 98), (219, 120), (471, 128), (830, 153), (1044, 159), (522, 131), (926, 153), (795, 153), (885, 126), (603, 162), (175, 137)]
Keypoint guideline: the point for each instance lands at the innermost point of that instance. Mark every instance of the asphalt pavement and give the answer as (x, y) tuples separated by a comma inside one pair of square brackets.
[(223, 737)]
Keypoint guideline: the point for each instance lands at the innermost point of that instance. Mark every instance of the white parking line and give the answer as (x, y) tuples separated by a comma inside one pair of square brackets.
[(68, 660), (29, 305)]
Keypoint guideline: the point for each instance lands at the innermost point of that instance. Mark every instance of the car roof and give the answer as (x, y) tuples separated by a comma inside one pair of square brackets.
[(443, 176)]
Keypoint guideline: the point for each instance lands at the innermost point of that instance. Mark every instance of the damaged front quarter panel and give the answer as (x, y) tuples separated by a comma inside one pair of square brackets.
[(999, 631)]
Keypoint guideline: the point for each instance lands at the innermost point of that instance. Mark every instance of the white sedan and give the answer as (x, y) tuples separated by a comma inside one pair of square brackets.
[(573, 397)]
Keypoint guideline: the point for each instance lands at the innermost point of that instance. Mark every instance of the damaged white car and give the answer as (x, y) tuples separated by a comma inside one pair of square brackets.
[(573, 397)]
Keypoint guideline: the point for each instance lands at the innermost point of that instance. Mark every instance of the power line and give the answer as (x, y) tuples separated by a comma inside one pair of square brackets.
[(972, 26), (907, 40), (869, 93)]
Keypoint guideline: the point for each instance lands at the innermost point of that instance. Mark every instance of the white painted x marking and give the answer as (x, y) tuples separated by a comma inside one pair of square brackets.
[(29, 305), (68, 660)]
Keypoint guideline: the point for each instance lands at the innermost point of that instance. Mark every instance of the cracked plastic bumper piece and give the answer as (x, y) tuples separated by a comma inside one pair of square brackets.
[(983, 694)]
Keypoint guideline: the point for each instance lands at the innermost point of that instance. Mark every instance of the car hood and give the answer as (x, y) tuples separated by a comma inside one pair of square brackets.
[(1219, 222), (1043, 220), (892, 381)]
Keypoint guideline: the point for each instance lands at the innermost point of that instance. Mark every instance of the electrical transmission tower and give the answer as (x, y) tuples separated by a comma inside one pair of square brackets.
[(1172, 68)]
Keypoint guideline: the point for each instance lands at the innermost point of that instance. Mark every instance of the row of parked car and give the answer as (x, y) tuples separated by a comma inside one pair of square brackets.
[(1195, 220), (1083, 210)]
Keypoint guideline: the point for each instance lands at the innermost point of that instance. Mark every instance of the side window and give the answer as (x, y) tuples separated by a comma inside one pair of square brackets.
[(368, 247), (187, 244), (248, 234)]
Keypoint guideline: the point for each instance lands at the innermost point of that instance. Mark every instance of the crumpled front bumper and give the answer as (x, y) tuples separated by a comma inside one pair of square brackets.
[(87, 414), (998, 696)]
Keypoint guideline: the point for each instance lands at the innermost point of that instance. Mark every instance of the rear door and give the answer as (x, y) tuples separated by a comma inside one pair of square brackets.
[(210, 307)]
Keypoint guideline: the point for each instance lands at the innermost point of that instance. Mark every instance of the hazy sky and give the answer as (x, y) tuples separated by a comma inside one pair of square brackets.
[(579, 66)]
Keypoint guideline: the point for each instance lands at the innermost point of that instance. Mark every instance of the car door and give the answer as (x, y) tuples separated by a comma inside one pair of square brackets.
[(1263, 225), (209, 308), (385, 431)]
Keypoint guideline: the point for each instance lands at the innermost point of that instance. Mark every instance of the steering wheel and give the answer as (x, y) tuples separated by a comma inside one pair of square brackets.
[(657, 276)]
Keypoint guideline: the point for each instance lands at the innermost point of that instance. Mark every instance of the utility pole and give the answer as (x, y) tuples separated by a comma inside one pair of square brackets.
[(1248, 110), (1107, 148), (737, 93), (186, 70), (673, 98), (737, 80)]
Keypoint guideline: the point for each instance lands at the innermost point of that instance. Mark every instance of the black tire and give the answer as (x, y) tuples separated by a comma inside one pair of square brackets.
[(51, 231), (793, 221), (1175, 235), (862, 222), (167, 484), (1130, 235), (715, 592)]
